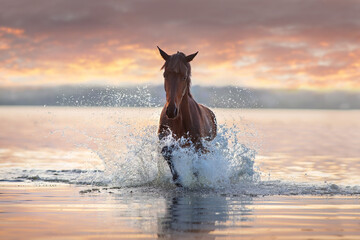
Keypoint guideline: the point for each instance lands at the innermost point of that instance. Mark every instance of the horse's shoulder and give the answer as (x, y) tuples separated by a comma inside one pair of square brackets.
[(210, 115), (207, 110)]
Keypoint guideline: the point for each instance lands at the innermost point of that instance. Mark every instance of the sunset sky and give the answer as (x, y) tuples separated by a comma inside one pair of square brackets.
[(256, 43)]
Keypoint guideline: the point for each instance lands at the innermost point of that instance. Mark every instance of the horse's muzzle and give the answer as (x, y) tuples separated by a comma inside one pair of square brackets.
[(171, 111)]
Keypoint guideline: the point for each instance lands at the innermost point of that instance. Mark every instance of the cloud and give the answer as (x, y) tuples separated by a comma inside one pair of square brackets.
[(257, 43)]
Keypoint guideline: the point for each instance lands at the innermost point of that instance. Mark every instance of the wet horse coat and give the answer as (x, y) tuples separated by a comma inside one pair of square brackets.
[(182, 116)]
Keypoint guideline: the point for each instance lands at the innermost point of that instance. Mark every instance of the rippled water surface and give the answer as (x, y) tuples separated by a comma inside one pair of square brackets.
[(95, 173)]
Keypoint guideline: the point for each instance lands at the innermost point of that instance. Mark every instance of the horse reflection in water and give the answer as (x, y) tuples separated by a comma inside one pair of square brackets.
[(182, 116), (199, 216), (192, 214)]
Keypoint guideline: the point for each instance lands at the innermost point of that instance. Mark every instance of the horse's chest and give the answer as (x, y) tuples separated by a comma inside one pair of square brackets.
[(185, 128)]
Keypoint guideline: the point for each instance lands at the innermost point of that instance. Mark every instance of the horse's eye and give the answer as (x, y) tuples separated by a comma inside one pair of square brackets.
[(184, 78)]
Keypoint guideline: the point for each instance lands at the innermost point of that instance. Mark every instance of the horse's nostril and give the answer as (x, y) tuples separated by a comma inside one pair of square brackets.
[(171, 112)]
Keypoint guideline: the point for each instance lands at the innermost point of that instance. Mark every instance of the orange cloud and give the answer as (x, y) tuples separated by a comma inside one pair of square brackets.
[(13, 31)]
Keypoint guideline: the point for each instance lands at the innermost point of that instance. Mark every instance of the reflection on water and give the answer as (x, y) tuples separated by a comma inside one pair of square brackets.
[(40, 212), (192, 214), (211, 216), (119, 213), (186, 215)]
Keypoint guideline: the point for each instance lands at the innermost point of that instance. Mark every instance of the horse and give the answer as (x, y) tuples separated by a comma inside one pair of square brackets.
[(181, 115)]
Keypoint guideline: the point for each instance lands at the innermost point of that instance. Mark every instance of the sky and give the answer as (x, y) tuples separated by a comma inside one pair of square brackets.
[(287, 44)]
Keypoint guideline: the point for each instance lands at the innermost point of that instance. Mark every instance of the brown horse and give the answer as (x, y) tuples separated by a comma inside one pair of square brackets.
[(182, 116)]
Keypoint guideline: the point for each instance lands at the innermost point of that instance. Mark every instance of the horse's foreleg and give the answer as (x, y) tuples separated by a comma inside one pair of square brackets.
[(167, 154)]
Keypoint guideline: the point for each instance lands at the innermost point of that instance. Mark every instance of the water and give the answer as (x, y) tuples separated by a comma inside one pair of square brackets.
[(98, 173)]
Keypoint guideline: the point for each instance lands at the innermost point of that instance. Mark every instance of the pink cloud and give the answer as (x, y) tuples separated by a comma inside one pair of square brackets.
[(265, 41)]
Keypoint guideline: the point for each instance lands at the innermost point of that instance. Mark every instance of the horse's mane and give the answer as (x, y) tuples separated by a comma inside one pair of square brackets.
[(177, 63)]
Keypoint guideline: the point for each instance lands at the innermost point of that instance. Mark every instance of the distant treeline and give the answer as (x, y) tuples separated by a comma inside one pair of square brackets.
[(154, 96)]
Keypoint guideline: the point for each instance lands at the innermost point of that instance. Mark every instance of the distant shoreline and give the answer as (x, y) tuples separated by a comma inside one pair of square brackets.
[(154, 96)]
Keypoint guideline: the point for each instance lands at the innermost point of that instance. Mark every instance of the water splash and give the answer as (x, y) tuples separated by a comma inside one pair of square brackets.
[(227, 161)]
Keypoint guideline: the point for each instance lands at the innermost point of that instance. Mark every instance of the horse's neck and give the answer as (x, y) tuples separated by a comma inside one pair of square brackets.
[(185, 106)]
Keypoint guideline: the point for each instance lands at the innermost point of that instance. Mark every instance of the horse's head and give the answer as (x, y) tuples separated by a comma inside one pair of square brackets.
[(177, 73)]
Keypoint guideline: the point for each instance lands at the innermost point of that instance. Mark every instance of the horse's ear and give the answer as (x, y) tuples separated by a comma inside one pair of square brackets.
[(191, 57), (164, 55)]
